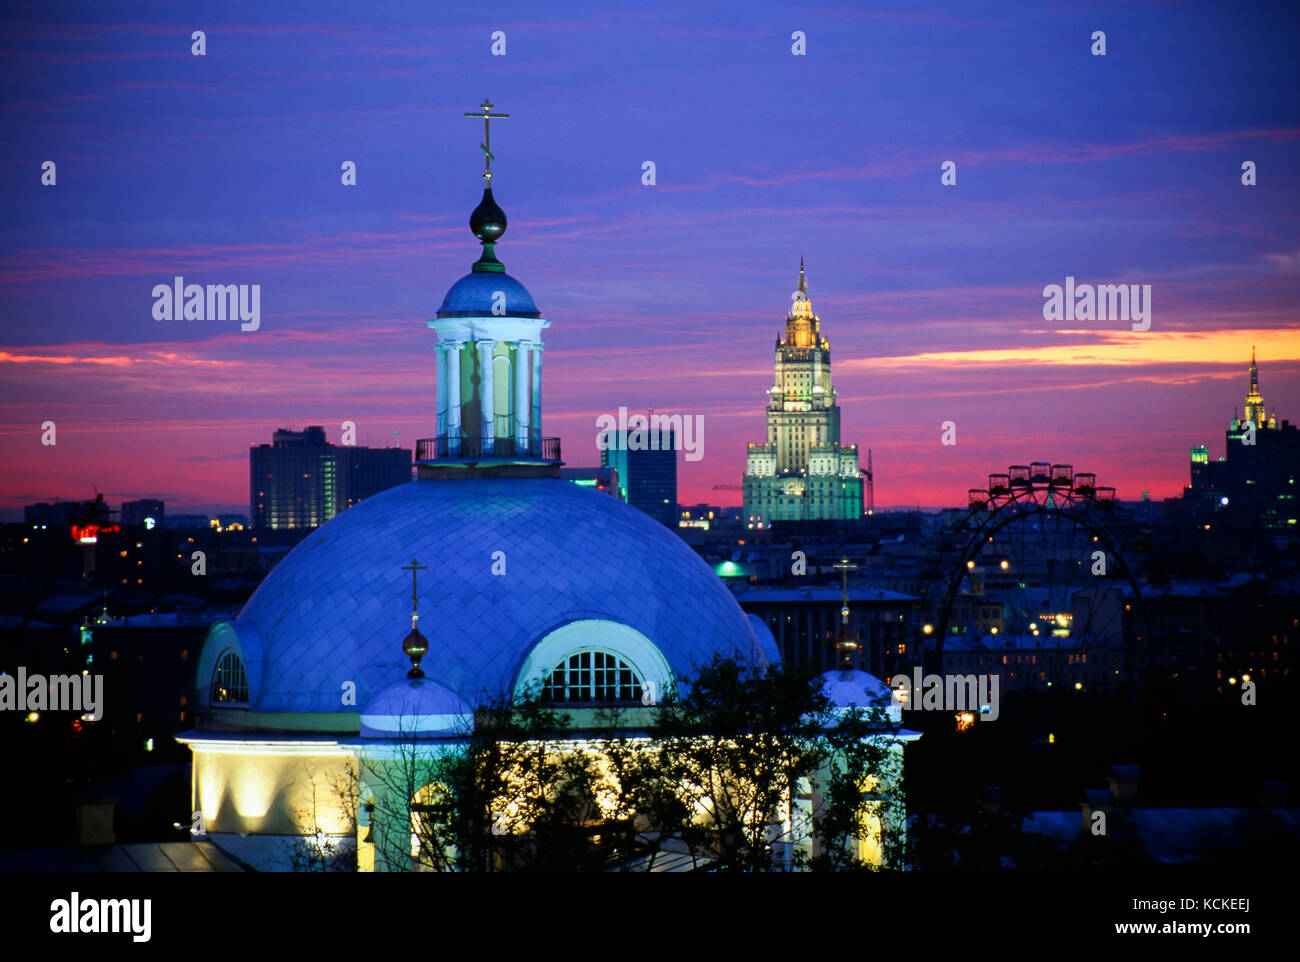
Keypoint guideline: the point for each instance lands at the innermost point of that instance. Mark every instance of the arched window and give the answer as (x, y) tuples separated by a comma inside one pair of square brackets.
[(229, 680), (587, 677), (503, 387)]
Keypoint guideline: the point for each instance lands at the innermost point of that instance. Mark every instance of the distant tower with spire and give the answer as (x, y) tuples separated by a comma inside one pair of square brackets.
[(802, 471), (1257, 481), (1255, 412)]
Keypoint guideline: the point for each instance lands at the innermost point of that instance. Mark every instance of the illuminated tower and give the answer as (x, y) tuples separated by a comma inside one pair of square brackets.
[(1255, 412), (802, 471), (1258, 477), (489, 360)]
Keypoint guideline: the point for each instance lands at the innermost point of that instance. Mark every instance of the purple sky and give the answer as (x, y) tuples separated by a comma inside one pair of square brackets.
[(226, 169)]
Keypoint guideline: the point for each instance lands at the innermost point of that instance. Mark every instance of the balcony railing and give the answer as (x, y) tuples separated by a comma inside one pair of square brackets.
[(459, 448)]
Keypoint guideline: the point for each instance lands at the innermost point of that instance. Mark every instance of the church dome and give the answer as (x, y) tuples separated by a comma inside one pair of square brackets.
[(477, 293), (416, 707), (851, 688), (512, 563)]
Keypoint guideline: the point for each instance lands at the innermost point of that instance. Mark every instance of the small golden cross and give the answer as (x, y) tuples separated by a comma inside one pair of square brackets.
[(488, 116)]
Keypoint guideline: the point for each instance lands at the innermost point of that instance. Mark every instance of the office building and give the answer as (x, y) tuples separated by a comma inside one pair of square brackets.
[(301, 480)]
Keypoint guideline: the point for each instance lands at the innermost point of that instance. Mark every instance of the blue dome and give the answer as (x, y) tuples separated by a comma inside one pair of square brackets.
[(336, 608), (416, 707), (851, 688), (474, 295)]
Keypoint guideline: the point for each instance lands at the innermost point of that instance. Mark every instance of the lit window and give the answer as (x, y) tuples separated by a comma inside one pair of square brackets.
[(230, 681), (592, 676)]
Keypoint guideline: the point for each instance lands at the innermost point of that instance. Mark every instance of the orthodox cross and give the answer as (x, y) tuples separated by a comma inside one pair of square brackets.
[(488, 116), (414, 568), (845, 566)]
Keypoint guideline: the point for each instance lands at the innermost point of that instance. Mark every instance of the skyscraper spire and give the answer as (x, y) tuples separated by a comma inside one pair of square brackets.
[(1254, 400), (801, 329)]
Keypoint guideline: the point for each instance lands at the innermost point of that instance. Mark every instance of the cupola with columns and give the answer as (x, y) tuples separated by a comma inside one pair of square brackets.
[(489, 363)]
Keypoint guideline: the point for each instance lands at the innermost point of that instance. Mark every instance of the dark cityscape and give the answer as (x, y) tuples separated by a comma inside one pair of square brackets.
[(603, 561)]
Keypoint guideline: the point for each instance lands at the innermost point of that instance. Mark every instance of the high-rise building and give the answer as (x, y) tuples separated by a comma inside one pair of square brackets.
[(301, 480), (362, 472), (1259, 475), (645, 458), (802, 471)]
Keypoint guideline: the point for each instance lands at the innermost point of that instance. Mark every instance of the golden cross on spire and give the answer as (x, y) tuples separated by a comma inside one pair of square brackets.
[(488, 116), (845, 566), (414, 568)]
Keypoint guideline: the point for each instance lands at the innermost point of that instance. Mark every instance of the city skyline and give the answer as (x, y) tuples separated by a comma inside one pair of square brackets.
[(665, 296)]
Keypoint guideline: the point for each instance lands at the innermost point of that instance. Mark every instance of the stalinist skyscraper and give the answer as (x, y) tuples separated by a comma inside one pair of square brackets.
[(802, 471)]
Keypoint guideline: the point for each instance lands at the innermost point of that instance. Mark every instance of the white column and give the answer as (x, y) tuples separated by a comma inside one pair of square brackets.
[(487, 392), (535, 422), (522, 406), (453, 396), (440, 427)]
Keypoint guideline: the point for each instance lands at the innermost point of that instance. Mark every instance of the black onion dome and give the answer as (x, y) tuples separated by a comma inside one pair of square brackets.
[(488, 222), (416, 647)]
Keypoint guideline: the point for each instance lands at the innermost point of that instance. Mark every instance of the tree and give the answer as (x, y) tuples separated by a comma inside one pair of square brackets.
[(863, 802), (744, 768), (733, 746)]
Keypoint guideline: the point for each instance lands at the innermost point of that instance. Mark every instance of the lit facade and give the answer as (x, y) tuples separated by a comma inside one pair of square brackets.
[(802, 471)]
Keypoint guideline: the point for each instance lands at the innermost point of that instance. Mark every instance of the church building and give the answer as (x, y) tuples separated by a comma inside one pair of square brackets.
[(486, 577)]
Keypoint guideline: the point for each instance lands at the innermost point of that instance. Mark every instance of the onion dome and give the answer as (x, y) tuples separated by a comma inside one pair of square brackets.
[(846, 643), (488, 221), (416, 647)]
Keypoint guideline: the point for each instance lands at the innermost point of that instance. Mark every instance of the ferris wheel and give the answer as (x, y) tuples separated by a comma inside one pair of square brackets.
[(1041, 556)]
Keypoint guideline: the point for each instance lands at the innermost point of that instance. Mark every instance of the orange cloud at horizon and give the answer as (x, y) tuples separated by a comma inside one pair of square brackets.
[(1115, 349)]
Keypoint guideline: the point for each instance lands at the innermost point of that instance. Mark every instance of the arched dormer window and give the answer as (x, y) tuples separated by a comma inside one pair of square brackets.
[(594, 661), (229, 680), (592, 677)]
